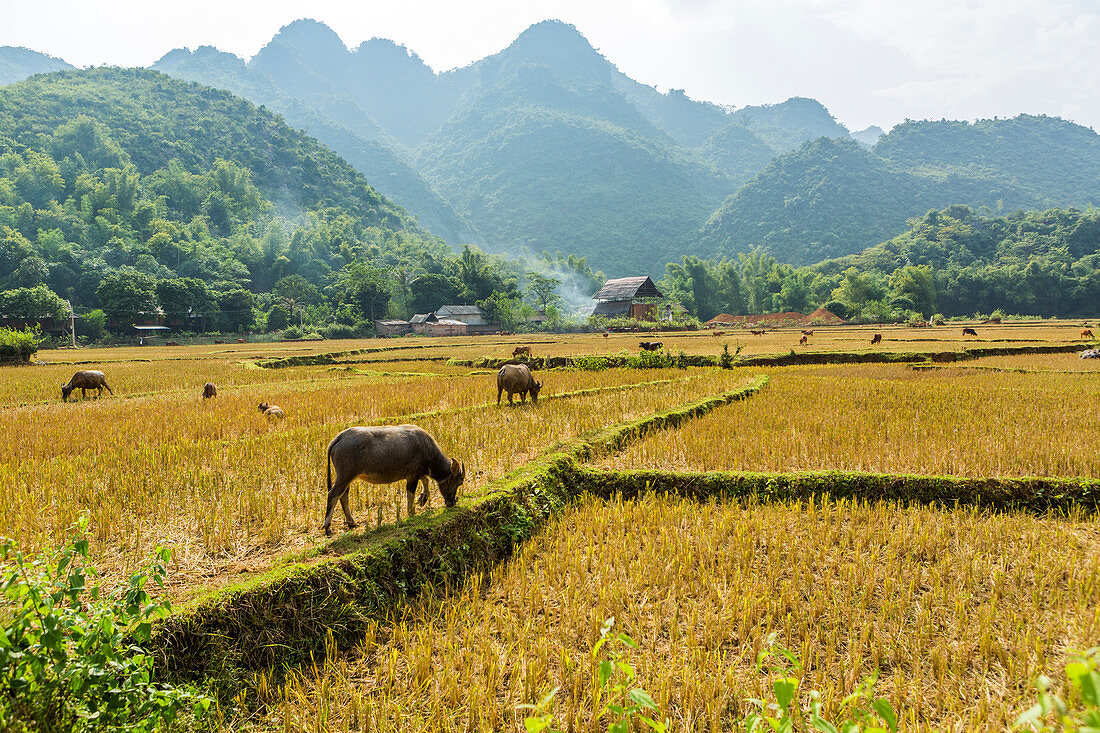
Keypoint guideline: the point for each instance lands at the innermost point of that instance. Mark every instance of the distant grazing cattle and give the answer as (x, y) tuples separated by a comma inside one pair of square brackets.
[(242, 341), (876, 338), (274, 412), (1086, 333), (650, 345), (969, 332), (808, 333), (383, 455), (802, 341), (85, 380), (209, 390), (521, 351), (171, 343), (517, 379), (216, 343), (605, 334), (718, 333), (756, 333)]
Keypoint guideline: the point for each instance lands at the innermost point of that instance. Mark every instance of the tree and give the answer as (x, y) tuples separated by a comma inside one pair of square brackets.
[(364, 286), (236, 310), (502, 310), (917, 285), (543, 290), (278, 317), (857, 289), (37, 302), (32, 271), (296, 293), (184, 297), (126, 294), (429, 292), (92, 324)]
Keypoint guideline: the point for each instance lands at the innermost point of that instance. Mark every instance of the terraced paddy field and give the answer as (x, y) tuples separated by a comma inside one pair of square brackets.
[(448, 620)]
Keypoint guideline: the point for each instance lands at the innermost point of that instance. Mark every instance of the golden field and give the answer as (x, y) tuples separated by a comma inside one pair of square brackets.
[(889, 418), (956, 610)]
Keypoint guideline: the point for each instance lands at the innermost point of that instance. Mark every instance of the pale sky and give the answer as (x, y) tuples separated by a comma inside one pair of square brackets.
[(868, 61)]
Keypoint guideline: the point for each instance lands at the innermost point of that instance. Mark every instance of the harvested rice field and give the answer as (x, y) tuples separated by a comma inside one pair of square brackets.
[(958, 611)]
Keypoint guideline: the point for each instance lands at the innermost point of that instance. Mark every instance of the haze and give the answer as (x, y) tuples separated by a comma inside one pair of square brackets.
[(868, 61)]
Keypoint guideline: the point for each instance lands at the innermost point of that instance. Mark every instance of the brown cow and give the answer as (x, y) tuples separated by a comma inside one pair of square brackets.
[(756, 333), (242, 341), (650, 345), (969, 332), (1086, 333), (521, 351), (802, 341), (383, 455), (273, 412), (605, 334), (218, 343), (85, 380), (171, 343), (718, 333), (517, 378), (876, 338), (808, 333), (209, 390)]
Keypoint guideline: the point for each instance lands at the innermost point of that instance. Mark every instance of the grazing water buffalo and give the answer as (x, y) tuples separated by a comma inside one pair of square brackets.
[(756, 333), (1086, 333), (808, 333), (383, 455), (650, 345), (85, 380), (521, 351), (876, 338), (209, 390), (517, 378), (969, 332), (272, 411)]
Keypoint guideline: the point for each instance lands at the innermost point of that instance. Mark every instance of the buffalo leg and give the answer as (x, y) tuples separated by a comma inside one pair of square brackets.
[(344, 499), (338, 492), (523, 397), (410, 491), (499, 390), (109, 388), (424, 495)]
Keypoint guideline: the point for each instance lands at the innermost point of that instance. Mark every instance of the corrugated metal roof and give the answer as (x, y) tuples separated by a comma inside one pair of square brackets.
[(449, 322), (460, 310), (612, 308), (423, 318), (628, 288)]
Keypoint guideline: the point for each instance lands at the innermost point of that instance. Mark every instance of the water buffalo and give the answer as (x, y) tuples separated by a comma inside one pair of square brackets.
[(808, 333), (876, 338), (171, 343), (521, 351), (85, 380), (969, 332), (383, 455), (650, 345), (756, 333), (1086, 333), (209, 390), (513, 378), (272, 411)]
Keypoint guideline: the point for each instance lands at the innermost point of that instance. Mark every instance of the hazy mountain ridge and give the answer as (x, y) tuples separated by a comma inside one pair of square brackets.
[(17, 63)]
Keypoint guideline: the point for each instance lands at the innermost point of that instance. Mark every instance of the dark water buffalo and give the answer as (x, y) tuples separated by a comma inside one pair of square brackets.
[(876, 338), (85, 380), (209, 390), (521, 351), (383, 455), (969, 332), (650, 345), (517, 378)]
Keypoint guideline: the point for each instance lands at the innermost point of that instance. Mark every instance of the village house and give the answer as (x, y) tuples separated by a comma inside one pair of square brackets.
[(392, 328), (628, 297), (475, 319)]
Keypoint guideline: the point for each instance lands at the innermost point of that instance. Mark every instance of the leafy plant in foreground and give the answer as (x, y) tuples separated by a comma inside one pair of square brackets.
[(1081, 712), (69, 655)]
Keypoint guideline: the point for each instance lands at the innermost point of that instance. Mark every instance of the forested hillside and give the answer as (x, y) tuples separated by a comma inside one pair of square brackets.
[(334, 119)]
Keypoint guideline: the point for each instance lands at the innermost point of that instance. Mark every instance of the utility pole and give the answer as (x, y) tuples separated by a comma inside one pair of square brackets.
[(72, 322)]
